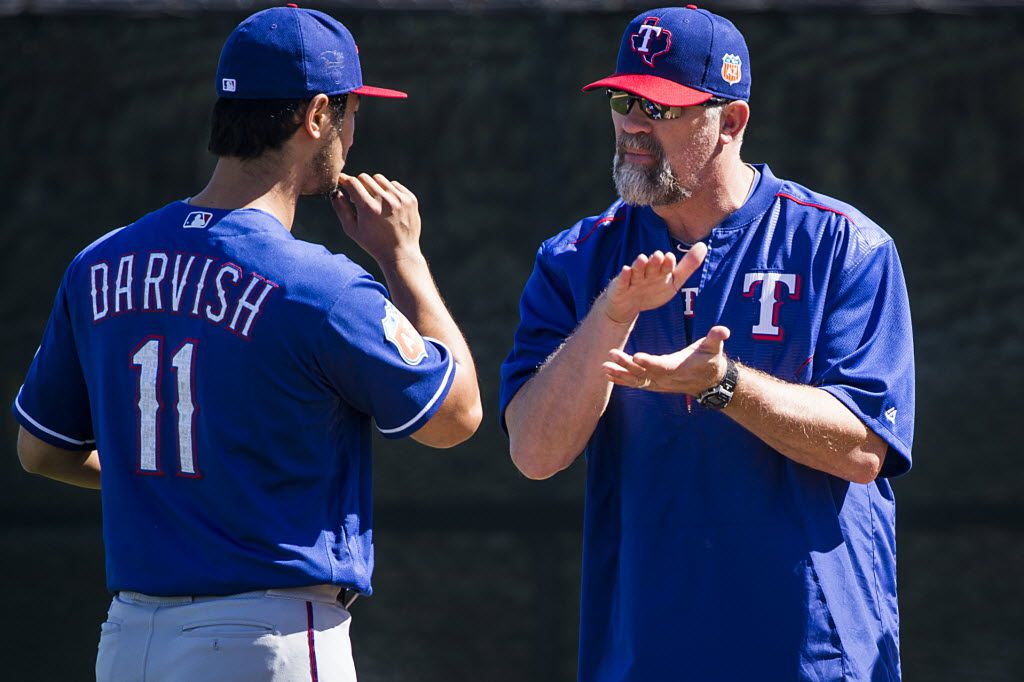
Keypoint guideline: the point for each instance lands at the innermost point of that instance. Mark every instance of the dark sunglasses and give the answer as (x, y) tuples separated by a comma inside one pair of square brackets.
[(622, 102)]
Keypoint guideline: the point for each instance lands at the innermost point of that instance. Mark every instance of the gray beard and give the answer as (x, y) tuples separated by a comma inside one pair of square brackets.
[(655, 185)]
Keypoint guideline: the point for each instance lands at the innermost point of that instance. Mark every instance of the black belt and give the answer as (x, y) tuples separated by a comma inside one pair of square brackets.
[(347, 597)]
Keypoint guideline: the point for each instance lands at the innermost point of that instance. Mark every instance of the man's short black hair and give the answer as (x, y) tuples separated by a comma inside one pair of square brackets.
[(245, 128)]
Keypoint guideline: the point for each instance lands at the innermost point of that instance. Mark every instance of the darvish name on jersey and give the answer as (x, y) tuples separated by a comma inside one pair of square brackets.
[(223, 294)]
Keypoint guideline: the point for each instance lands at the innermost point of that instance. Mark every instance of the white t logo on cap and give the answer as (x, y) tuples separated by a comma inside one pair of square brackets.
[(227, 84), (649, 31)]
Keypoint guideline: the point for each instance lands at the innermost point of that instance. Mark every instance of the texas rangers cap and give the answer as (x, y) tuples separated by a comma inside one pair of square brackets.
[(292, 53), (681, 56)]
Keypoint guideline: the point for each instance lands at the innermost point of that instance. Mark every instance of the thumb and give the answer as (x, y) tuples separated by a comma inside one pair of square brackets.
[(345, 210), (713, 343), (689, 263)]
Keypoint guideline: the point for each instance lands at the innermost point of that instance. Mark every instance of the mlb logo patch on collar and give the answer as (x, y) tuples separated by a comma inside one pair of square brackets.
[(400, 332), (197, 220)]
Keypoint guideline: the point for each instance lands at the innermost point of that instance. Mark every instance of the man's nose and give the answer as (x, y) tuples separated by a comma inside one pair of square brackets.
[(636, 121)]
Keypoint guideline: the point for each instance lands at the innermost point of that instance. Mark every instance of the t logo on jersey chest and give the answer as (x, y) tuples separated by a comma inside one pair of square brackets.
[(770, 289)]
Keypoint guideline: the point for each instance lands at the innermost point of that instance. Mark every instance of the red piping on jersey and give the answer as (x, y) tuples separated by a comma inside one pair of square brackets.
[(309, 637), (597, 224), (813, 205), (801, 367)]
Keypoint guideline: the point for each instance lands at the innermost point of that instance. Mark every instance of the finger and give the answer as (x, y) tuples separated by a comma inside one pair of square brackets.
[(392, 195), (344, 209), (625, 361), (653, 363), (640, 267), (669, 265), (371, 185), (689, 263), (625, 277), (656, 261), (405, 190), (714, 342), (628, 381), (618, 375), (357, 193), (385, 183)]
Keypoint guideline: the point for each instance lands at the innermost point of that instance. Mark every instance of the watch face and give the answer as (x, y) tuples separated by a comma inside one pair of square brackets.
[(716, 400)]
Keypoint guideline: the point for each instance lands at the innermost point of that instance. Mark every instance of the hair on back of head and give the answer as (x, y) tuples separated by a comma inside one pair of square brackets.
[(246, 128)]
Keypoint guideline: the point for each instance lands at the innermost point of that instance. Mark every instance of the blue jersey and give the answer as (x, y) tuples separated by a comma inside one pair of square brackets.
[(227, 373), (707, 555)]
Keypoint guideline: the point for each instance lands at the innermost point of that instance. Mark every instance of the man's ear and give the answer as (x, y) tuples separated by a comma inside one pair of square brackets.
[(317, 117), (733, 120)]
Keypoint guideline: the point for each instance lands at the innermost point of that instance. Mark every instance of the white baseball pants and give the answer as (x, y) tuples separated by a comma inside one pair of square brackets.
[(282, 635)]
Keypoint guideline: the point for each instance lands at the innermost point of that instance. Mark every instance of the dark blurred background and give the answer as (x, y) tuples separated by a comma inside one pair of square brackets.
[(909, 110)]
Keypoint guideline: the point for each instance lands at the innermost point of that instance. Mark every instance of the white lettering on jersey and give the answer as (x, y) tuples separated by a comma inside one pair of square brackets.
[(123, 285), (236, 274), (153, 281), (771, 285), (103, 271), (178, 281), (253, 308), (689, 295), (199, 287)]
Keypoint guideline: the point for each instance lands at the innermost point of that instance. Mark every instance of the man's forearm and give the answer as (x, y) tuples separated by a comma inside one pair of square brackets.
[(77, 468), (413, 291), (807, 425), (546, 437)]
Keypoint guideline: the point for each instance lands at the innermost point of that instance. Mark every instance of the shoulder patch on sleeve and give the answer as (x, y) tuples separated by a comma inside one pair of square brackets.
[(400, 332)]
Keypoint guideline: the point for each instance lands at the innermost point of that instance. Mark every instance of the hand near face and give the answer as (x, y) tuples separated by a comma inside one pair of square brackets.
[(691, 370), (650, 283), (380, 215)]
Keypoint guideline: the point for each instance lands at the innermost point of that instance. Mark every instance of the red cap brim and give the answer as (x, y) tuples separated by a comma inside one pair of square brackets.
[(659, 90), (370, 91)]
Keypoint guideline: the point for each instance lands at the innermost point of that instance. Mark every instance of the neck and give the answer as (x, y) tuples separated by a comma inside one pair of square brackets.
[(257, 183), (725, 190)]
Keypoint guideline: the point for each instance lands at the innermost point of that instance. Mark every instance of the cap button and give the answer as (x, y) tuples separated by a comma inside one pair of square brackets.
[(691, 7), (292, 4)]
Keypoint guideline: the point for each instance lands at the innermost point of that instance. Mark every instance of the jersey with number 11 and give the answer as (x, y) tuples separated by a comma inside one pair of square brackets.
[(227, 373)]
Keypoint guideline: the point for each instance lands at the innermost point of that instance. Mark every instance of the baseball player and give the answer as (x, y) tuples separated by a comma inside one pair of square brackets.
[(219, 377), (740, 356)]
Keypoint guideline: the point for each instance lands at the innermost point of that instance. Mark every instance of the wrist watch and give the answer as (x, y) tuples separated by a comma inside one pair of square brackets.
[(717, 397)]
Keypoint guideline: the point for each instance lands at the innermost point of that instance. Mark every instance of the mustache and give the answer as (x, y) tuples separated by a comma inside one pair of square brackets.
[(638, 141)]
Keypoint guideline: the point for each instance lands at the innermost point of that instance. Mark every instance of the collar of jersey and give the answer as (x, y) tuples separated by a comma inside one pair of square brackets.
[(271, 224), (755, 206)]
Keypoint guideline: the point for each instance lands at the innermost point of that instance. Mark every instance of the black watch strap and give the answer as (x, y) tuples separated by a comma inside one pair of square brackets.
[(717, 397)]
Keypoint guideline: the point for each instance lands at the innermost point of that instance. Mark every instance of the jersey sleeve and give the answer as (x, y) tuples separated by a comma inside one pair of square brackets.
[(53, 403), (547, 316), (378, 362), (865, 353)]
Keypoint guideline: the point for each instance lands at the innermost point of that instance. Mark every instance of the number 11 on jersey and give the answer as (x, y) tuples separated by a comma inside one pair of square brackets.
[(146, 362)]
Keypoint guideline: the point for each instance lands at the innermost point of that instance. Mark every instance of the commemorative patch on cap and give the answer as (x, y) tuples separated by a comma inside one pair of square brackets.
[(400, 332), (732, 69)]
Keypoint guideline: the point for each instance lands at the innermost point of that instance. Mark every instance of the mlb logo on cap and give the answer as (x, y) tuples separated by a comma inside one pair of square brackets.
[(668, 56)]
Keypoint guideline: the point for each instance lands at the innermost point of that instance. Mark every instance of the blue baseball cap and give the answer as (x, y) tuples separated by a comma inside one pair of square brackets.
[(681, 56), (292, 53)]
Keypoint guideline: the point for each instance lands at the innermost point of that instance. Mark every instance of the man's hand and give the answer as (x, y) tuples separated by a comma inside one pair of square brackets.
[(649, 283), (380, 215), (691, 370)]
